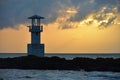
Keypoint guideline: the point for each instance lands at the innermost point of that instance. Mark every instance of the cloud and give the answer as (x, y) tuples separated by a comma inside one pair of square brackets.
[(66, 13), (14, 12), (104, 17), (64, 16)]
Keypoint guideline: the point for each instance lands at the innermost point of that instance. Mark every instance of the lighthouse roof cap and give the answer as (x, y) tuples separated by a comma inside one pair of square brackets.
[(35, 17)]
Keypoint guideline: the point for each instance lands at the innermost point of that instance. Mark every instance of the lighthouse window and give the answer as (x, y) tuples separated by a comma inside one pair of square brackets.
[(35, 23)]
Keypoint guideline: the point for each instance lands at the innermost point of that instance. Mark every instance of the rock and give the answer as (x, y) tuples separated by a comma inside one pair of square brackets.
[(57, 63)]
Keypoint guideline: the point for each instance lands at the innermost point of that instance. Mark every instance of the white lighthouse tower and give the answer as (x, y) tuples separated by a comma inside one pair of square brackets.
[(36, 48)]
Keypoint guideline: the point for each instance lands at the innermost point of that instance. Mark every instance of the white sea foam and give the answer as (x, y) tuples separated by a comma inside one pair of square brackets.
[(15, 74)]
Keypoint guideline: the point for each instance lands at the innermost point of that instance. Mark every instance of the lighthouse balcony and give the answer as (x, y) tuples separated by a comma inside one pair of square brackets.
[(35, 30)]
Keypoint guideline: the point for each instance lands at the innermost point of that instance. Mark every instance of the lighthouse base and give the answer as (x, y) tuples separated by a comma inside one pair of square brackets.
[(36, 50)]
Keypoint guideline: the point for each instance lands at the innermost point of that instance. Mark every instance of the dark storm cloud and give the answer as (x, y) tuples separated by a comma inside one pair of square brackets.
[(15, 12)]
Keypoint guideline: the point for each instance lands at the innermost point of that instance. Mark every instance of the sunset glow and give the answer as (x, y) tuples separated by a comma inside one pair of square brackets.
[(95, 32)]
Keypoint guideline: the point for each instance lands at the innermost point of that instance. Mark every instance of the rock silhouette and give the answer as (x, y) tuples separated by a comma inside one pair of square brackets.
[(56, 63)]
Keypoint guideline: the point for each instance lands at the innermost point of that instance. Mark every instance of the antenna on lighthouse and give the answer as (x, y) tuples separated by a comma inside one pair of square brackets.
[(36, 48)]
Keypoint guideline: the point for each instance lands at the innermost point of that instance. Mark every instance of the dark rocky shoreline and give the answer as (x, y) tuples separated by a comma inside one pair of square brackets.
[(56, 63)]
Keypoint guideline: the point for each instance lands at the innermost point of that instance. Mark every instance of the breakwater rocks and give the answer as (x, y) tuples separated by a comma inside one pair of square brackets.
[(56, 63)]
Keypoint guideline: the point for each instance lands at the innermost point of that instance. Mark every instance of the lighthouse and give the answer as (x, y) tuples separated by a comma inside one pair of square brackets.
[(36, 48)]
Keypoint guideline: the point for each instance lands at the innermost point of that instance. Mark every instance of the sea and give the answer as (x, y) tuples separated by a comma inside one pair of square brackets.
[(20, 74)]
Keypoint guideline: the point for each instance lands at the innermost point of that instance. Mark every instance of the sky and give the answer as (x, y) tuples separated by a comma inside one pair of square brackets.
[(70, 26)]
